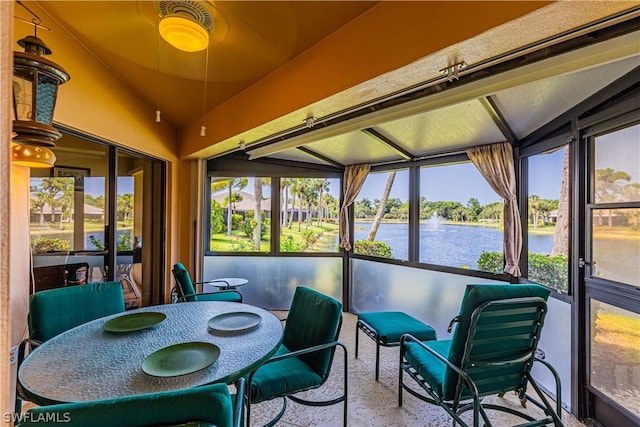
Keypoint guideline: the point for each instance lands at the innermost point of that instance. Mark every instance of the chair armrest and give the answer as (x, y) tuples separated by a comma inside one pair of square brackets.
[(22, 348), (454, 320), (306, 351)]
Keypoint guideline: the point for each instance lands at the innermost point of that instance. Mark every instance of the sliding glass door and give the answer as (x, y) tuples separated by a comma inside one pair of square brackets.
[(96, 216)]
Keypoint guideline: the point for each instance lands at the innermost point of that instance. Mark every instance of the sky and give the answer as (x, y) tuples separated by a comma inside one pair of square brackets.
[(456, 183), (94, 185), (461, 182)]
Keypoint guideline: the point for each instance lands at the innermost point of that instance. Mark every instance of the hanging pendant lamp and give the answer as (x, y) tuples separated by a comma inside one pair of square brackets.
[(35, 89)]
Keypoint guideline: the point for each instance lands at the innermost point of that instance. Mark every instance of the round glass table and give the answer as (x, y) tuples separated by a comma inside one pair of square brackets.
[(223, 283), (90, 363)]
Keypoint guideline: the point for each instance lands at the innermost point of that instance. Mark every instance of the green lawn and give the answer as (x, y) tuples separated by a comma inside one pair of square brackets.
[(238, 242)]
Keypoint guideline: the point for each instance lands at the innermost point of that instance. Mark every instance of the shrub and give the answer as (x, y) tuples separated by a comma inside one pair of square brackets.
[(310, 238), (242, 245), (124, 242), (288, 244), (549, 270), (248, 224), (43, 245), (217, 217), (375, 248), (545, 269), (492, 262), (236, 219)]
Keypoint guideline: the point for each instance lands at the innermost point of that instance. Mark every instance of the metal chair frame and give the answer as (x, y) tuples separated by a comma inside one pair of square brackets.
[(467, 397), (182, 297)]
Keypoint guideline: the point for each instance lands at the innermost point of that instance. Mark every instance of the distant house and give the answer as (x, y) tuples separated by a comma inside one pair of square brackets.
[(248, 202), (53, 214)]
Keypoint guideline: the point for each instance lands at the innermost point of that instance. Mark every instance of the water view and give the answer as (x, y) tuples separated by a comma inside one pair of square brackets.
[(448, 244)]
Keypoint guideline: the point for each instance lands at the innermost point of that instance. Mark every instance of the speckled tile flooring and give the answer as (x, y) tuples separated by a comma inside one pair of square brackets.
[(371, 403)]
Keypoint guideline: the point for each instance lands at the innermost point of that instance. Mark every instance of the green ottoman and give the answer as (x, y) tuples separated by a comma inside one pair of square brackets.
[(386, 328)]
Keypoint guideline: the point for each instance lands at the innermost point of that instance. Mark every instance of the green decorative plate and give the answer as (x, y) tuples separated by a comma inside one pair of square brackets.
[(236, 322), (134, 322), (180, 359)]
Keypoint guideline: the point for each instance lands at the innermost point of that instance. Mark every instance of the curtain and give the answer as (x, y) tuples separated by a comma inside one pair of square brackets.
[(354, 177), (495, 163)]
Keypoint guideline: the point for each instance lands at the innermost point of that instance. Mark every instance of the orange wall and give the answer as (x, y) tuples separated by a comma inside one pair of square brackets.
[(386, 37), (98, 103)]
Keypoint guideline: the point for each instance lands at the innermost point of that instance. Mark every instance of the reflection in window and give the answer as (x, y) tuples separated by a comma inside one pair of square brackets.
[(240, 214), (615, 354), (615, 217), (309, 214), (382, 216), (548, 219), (460, 219), (615, 245), (617, 170)]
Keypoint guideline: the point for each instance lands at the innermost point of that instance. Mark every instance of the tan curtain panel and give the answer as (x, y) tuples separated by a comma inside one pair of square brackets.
[(495, 163), (354, 177)]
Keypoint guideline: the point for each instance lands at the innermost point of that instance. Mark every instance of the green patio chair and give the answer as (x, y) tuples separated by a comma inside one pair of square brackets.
[(209, 405), (187, 292), (491, 352), (303, 360), (54, 311)]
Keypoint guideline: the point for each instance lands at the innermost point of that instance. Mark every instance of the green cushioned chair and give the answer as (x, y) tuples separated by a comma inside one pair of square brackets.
[(303, 360), (490, 353), (54, 311), (387, 327), (187, 292), (210, 405)]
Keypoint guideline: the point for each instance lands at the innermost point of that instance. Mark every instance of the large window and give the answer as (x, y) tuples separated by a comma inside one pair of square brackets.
[(309, 214), (240, 214), (382, 216), (460, 219), (548, 222)]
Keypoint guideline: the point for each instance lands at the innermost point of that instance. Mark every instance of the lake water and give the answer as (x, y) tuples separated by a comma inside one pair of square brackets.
[(445, 244)]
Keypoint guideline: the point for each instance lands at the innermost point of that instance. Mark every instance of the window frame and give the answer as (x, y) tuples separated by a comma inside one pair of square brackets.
[(235, 166), (556, 141)]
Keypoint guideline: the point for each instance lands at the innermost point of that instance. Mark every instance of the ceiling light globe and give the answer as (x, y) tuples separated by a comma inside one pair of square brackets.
[(32, 156), (183, 33)]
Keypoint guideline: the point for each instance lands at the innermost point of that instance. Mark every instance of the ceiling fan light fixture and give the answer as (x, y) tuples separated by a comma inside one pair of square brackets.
[(183, 33)]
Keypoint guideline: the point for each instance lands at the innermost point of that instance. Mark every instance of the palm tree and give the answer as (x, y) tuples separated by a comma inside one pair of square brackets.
[(295, 188), (38, 202), (257, 213), (383, 202), (534, 207), (125, 206), (322, 184), (310, 195), (285, 184)]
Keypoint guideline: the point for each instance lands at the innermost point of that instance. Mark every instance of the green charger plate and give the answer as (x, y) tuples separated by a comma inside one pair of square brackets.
[(236, 322), (134, 322), (181, 359)]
